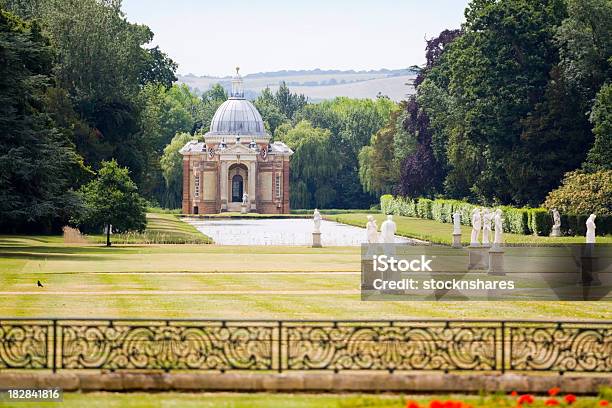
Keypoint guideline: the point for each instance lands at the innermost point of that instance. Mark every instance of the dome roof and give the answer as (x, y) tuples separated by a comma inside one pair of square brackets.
[(237, 116)]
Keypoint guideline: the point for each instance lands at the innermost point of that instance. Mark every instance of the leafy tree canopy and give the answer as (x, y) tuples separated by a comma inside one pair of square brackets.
[(38, 164), (583, 193), (112, 199)]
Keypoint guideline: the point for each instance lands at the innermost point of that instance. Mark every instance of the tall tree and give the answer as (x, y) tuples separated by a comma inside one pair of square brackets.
[(102, 62), (38, 164), (351, 122), (171, 164), (313, 166), (211, 100), (112, 201), (600, 155)]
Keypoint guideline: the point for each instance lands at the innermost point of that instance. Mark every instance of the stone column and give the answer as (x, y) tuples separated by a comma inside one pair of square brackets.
[(186, 204), (285, 181), (223, 185), (252, 185)]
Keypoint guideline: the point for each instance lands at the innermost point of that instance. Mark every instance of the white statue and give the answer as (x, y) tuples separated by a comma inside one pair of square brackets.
[(372, 230), (457, 222), (317, 220), (556, 228), (245, 199), (487, 217), (590, 234), (499, 228), (387, 230), (476, 225), (556, 218)]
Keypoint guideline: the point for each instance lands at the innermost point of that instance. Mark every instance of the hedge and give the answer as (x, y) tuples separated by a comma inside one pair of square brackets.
[(537, 221), (335, 211)]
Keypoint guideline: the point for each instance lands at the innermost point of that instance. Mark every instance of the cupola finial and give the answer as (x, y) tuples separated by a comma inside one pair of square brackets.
[(237, 87)]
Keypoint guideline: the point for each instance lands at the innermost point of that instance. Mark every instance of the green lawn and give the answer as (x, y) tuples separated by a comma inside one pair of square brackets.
[(263, 400), (209, 281), (441, 233), (231, 282), (161, 229)]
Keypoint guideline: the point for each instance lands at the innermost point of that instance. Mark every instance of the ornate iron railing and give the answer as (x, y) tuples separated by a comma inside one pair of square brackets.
[(221, 345)]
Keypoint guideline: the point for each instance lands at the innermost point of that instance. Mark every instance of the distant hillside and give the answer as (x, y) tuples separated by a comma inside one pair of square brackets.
[(318, 84)]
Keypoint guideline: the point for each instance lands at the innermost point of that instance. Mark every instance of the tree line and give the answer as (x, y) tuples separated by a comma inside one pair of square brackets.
[(507, 108)]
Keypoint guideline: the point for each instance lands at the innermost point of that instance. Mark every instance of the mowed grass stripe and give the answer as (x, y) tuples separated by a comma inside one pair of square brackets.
[(199, 262), (279, 306), (173, 282)]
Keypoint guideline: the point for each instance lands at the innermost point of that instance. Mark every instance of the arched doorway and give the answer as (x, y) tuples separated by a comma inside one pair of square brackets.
[(237, 188), (238, 184)]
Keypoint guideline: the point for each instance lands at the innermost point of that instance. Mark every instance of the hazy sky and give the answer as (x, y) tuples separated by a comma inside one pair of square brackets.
[(212, 37)]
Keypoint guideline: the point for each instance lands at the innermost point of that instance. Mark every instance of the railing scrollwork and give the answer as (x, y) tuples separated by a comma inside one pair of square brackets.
[(223, 345)]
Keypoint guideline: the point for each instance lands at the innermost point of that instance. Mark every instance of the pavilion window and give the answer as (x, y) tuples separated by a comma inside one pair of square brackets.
[(196, 189), (277, 185)]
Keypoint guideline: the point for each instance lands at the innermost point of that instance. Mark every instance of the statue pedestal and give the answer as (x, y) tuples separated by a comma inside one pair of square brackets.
[(244, 209), (556, 232), (496, 261), (457, 240), (478, 259), (316, 240), (367, 270), (589, 266)]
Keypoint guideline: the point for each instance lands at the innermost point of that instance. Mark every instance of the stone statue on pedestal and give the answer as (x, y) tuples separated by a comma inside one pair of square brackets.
[(457, 222), (590, 225), (245, 199), (317, 220), (499, 229), (487, 217), (556, 228), (387, 231), (372, 230), (476, 226)]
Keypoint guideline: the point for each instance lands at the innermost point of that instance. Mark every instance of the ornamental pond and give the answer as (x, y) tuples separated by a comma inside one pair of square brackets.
[(294, 231)]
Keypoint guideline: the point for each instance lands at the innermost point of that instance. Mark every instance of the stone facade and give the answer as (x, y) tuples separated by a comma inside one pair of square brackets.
[(214, 180), (236, 158)]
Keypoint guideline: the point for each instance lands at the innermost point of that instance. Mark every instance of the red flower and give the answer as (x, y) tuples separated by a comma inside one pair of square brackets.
[(513, 393), (551, 401), (526, 399), (554, 391), (570, 398), (435, 404), (412, 404), (603, 403)]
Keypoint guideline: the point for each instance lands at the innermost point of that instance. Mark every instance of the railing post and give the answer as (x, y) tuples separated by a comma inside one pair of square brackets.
[(54, 350), (280, 346), (503, 345)]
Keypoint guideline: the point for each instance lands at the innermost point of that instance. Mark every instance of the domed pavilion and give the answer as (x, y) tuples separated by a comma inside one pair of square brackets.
[(236, 168)]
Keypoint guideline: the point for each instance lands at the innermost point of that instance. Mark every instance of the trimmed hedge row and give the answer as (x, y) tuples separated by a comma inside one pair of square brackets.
[(525, 221), (335, 211)]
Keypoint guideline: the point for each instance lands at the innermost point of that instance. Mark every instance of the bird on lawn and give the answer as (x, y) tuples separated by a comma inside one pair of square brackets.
[(40, 285)]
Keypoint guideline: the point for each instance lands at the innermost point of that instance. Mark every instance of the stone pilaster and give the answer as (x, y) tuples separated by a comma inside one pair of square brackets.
[(186, 177), (285, 205)]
